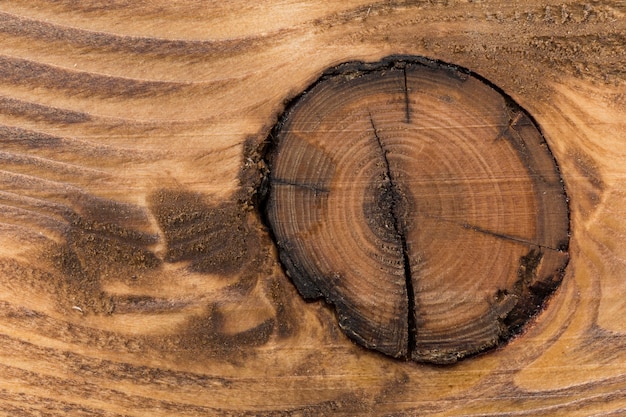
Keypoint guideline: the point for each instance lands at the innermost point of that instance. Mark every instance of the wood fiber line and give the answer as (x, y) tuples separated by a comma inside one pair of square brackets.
[(15, 70), (112, 42), (136, 277)]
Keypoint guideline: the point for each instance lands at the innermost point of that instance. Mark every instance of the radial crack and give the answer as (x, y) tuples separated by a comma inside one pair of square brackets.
[(498, 235), (504, 236), (400, 232), (281, 181), (407, 104)]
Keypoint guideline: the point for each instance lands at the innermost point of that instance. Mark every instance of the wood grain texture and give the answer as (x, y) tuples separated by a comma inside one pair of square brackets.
[(137, 279)]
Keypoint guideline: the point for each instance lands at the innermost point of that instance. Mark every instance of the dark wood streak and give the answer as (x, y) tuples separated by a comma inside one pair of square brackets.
[(22, 71), (17, 139), (39, 112), (37, 29)]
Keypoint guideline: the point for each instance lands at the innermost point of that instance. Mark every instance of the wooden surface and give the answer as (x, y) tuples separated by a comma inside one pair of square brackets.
[(136, 276)]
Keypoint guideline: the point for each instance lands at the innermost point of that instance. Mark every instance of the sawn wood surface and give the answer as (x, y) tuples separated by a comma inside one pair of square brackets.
[(136, 277)]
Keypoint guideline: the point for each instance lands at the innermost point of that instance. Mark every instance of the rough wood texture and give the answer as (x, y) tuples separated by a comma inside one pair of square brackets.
[(137, 280)]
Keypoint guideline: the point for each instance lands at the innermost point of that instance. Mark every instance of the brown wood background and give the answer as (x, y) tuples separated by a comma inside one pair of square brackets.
[(135, 280)]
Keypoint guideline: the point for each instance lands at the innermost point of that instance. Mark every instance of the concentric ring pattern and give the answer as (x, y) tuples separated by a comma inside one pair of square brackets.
[(421, 203)]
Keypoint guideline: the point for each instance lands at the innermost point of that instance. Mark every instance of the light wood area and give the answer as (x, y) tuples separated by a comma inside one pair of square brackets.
[(136, 275)]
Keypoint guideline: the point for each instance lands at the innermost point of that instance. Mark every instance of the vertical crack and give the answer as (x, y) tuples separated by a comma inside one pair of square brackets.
[(399, 230), (407, 104)]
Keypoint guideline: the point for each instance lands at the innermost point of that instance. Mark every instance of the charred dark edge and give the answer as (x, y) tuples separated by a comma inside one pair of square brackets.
[(514, 107), (398, 61), (537, 297)]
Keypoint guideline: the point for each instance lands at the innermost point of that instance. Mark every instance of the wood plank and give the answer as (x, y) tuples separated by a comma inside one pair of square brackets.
[(137, 277)]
